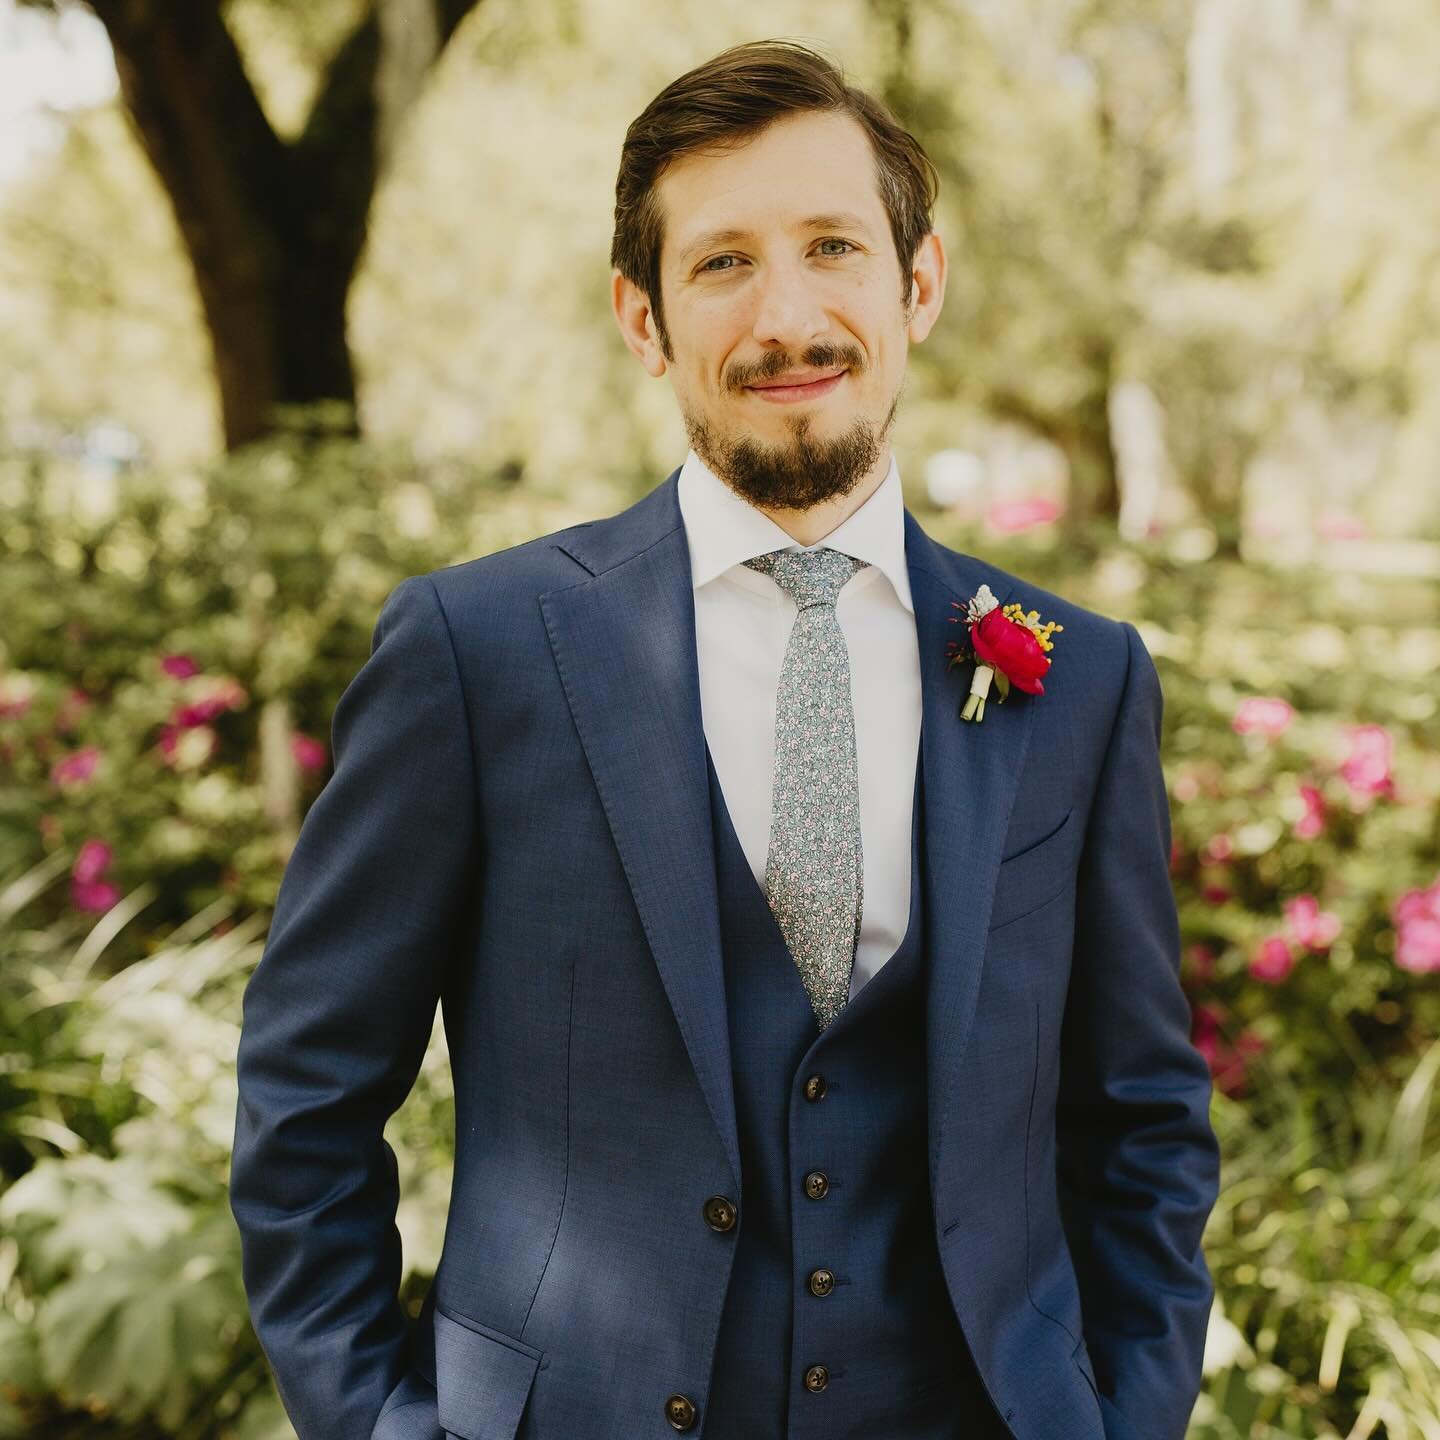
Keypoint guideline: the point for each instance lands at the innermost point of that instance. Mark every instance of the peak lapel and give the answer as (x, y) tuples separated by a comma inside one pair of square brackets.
[(624, 644)]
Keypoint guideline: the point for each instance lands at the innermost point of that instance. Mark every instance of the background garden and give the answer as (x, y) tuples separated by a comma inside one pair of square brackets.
[(298, 300)]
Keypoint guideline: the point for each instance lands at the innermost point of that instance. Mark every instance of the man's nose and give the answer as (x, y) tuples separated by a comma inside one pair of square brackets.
[(787, 309)]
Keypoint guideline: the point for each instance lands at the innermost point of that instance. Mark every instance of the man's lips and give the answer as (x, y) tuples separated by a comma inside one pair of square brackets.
[(812, 387)]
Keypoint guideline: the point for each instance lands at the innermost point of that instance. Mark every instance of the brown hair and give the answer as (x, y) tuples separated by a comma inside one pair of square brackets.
[(728, 100)]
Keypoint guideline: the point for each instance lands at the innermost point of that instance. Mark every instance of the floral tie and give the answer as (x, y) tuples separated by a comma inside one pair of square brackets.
[(814, 875)]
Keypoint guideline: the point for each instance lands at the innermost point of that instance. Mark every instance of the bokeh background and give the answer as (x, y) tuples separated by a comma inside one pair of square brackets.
[(299, 299)]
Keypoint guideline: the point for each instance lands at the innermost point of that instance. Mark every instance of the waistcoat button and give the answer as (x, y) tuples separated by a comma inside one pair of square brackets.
[(719, 1213), (815, 1088), (817, 1377), (822, 1282), (680, 1412), (817, 1185)]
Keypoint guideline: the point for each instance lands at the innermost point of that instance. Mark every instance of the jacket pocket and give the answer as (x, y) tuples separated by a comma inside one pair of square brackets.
[(482, 1378), (1033, 876)]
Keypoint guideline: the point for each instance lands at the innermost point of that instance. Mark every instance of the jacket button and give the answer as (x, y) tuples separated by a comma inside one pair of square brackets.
[(680, 1412), (822, 1282), (817, 1185), (815, 1088), (817, 1377), (719, 1213)]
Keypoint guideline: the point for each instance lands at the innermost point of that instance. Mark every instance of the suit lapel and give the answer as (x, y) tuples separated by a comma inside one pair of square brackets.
[(970, 777), (624, 645)]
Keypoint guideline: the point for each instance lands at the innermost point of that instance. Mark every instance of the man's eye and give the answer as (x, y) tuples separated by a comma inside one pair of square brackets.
[(832, 255)]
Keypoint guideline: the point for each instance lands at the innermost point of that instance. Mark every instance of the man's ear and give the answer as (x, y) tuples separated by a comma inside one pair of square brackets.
[(637, 322), (927, 287)]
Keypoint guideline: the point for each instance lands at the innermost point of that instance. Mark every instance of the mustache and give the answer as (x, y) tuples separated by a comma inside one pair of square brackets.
[(776, 364)]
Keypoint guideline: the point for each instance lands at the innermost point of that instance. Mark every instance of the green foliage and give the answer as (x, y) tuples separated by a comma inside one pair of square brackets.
[(121, 1305), (1325, 1248)]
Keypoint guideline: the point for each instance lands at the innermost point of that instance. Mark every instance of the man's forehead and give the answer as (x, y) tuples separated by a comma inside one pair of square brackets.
[(809, 171)]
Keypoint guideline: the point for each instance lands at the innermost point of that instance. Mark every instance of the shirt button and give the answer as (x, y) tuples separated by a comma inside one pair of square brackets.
[(680, 1412), (719, 1213), (817, 1377), (822, 1282), (815, 1088), (817, 1185)]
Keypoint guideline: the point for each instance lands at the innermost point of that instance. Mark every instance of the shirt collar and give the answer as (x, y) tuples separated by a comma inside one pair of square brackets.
[(724, 530)]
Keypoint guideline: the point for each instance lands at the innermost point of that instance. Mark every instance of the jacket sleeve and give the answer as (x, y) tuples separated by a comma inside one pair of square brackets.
[(1138, 1162), (336, 1018)]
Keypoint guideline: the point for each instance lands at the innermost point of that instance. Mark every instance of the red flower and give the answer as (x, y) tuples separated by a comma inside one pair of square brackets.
[(1012, 649)]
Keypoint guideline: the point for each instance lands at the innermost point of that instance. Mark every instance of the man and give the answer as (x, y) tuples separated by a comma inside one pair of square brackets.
[(821, 1066)]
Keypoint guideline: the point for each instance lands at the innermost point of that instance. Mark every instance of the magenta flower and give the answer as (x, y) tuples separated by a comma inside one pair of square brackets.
[(182, 667), (1312, 822), (1205, 1032), (1264, 715), (92, 860), (1012, 516), (1416, 915), (221, 694), (98, 896), (76, 767), (309, 753), (185, 747), (1272, 960), (87, 890), (1366, 769), (1308, 925)]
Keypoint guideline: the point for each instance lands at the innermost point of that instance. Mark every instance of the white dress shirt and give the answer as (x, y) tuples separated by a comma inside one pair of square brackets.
[(742, 625)]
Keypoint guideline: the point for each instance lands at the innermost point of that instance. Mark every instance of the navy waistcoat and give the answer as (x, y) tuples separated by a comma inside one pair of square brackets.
[(837, 1183)]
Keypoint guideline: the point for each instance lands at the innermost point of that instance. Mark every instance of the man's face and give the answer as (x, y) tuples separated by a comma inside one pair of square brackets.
[(778, 263)]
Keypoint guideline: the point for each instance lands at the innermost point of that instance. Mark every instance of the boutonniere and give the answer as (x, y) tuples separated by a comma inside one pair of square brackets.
[(1009, 646)]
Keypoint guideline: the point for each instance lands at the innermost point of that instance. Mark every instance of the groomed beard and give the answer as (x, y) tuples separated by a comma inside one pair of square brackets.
[(796, 475)]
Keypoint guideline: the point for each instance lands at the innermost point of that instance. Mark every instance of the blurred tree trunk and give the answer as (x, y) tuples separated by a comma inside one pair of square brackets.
[(274, 229)]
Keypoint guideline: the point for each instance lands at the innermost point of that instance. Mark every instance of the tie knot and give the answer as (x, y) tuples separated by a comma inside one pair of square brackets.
[(809, 577)]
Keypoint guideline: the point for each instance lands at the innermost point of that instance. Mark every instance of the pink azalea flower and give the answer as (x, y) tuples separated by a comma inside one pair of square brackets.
[(1215, 894), (1205, 1031), (76, 767), (309, 752), (1272, 960), (1416, 915), (221, 694), (1265, 715), (1308, 925), (182, 667), (1012, 516), (1335, 524), (1217, 849), (1312, 822), (92, 860), (1366, 769), (185, 747), (97, 895)]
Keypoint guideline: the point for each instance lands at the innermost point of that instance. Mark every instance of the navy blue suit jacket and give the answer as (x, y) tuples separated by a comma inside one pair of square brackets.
[(518, 828)]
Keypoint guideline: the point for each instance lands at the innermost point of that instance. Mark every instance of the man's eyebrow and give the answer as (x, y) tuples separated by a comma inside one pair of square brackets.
[(835, 220)]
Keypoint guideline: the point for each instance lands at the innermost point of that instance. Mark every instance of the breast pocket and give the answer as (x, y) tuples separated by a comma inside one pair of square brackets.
[(1035, 875)]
